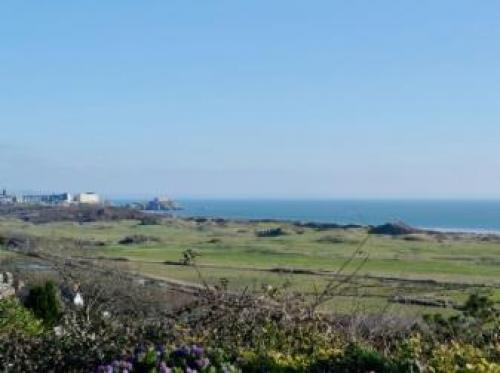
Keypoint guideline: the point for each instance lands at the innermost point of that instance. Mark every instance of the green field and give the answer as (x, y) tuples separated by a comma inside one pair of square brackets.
[(385, 266)]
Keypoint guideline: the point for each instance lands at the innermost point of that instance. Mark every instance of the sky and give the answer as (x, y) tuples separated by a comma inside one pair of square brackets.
[(251, 99)]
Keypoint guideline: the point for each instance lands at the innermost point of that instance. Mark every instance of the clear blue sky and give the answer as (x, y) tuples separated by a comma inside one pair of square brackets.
[(251, 98)]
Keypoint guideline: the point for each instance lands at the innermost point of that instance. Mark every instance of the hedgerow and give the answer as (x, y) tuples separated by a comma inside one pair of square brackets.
[(244, 334)]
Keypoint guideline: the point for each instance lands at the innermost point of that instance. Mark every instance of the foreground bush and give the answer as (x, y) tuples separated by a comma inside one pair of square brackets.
[(267, 332), (183, 359), (455, 357), (42, 300), (16, 318)]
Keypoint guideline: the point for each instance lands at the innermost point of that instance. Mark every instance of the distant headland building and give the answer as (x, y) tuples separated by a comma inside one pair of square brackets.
[(54, 199), (158, 204), (162, 204)]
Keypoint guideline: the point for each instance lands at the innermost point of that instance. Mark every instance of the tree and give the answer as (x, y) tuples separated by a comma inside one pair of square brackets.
[(42, 300)]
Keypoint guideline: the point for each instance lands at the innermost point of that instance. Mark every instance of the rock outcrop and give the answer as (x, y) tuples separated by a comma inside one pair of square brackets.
[(7, 288), (394, 229)]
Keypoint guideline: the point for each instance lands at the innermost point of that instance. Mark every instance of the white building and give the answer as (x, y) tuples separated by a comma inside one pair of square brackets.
[(89, 198), (47, 199)]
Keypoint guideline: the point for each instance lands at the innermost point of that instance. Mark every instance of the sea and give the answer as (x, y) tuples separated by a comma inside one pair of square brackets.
[(476, 216)]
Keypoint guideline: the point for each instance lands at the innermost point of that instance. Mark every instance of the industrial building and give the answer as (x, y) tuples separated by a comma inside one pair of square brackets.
[(88, 198), (52, 199), (6, 199), (46, 199)]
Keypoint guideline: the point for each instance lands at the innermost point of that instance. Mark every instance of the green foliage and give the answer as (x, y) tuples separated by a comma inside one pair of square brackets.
[(82, 346), (42, 300), (409, 355), (16, 318), (267, 344), (469, 260), (480, 307), (147, 360), (478, 323), (150, 220), (189, 257), (360, 359), (270, 332), (271, 232), (456, 357)]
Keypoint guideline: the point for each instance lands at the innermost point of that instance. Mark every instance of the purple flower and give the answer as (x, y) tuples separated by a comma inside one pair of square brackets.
[(105, 369), (160, 349), (164, 368), (182, 352), (122, 366), (202, 363), (197, 351), (127, 365)]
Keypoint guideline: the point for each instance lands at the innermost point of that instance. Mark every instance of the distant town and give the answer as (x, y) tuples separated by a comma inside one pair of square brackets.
[(83, 198), (89, 198)]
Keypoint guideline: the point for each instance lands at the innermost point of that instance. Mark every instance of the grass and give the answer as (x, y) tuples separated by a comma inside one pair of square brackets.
[(234, 252)]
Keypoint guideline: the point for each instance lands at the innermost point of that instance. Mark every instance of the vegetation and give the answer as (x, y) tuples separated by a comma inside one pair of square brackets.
[(82, 213), (224, 332), (270, 232), (400, 274), (16, 318), (211, 295), (42, 301)]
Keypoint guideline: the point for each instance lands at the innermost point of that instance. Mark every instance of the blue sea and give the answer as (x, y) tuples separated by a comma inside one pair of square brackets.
[(452, 215)]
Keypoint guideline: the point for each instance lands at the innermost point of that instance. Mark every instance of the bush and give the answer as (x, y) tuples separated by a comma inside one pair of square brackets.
[(457, 357), (331, 239), (271, 232), (42, 300), (477, 324), (164, 360), (14, 317), (358, 359), (150, 220), (267, 331), (137, 239), (79, 347)]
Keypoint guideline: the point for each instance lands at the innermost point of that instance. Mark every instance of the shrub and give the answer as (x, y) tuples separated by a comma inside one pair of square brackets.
[(42, 300), (332, 239), (393, 229), (163, 360), (79, 346), (480, 307), (14, 317), (150, 220), (457, 357), (188, 257), (360, 359), (477, 324), (137, 239), (271, 232)]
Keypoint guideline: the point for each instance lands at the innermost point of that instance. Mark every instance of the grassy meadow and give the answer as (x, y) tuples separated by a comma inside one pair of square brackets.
[(423, 266)]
